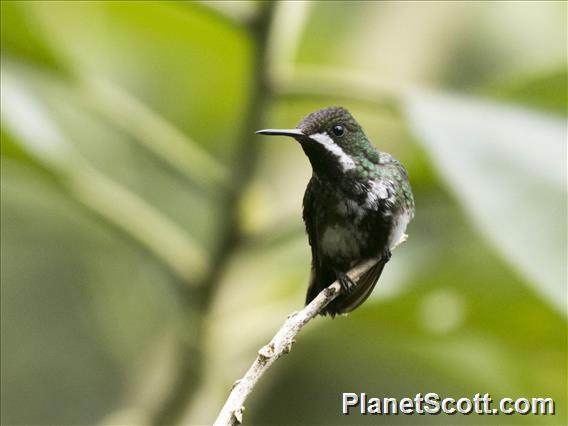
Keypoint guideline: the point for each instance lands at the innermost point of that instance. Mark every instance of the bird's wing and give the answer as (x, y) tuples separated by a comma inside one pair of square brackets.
[(310, 217)]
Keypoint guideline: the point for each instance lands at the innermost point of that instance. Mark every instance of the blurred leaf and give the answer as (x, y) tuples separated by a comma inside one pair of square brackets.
[(80, 305), (181, 60), (24, 117), (9, 148), (237, 11), (547, 91), (507, 167), (156, 133), (445, 44), (19, 36)]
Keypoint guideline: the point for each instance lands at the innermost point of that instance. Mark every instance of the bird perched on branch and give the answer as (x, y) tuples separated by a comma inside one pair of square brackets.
[(356, 206)]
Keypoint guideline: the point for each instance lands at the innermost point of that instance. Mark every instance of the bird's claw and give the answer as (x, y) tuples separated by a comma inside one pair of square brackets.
[(346, 283)]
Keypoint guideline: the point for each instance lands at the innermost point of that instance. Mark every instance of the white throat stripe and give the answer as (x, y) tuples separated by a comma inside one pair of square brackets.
[(328, 143)]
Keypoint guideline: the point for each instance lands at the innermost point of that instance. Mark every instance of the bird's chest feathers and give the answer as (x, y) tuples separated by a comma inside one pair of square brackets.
[(342, 240), (344, 227), (371, 198), (367, 220)]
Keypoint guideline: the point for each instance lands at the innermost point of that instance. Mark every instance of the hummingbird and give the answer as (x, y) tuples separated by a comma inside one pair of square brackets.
[(356, 206)]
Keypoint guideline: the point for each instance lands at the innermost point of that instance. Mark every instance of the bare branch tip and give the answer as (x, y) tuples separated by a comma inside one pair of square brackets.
[(281, 344)]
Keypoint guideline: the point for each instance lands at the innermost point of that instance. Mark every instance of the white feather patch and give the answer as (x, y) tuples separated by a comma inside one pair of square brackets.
[(398, 229), (379, 191), (323, 138)]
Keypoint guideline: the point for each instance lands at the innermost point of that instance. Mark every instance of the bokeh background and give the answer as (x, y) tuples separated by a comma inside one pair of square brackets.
[(151, 243)]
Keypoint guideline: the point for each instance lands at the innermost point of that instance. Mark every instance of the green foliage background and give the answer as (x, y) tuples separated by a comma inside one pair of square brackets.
[(151, 243)]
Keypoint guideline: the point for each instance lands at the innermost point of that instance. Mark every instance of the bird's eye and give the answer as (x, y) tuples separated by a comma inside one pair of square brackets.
[(338, 130)]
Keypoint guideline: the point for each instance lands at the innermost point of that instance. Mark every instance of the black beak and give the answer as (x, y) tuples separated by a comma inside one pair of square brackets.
[(280, 132)]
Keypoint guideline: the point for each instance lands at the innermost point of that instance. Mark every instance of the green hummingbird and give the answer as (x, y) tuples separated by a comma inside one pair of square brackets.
[(357, 204)]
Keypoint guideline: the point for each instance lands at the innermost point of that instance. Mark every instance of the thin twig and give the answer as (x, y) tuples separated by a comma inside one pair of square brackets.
[(281, 343)]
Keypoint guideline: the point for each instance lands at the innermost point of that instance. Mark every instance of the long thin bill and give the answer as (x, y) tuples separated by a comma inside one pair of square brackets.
[(280, 132)]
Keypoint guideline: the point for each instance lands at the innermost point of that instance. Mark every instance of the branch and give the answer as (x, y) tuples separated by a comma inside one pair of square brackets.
[(281, 343)]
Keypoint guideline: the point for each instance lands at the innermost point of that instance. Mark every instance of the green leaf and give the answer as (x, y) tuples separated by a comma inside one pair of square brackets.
[(19, 36), (547, 91), (181, 61), (33, 126), (507, 167), (156, 133), (80, 305)]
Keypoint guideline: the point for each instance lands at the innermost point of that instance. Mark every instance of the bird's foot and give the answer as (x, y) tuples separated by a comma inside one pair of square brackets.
[(346, 283)]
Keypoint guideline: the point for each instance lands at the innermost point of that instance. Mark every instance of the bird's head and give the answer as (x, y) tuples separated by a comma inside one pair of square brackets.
[(332, 139)]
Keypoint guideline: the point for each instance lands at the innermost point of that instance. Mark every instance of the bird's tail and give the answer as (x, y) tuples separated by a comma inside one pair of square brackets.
[(345, 303)]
